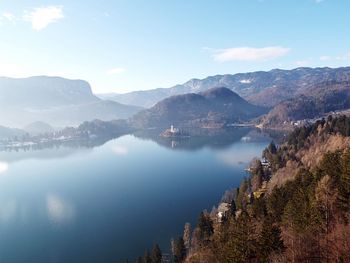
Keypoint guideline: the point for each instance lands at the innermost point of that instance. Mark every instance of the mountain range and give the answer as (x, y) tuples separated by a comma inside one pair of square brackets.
[(56, 101), (260, 88), (285, 95)]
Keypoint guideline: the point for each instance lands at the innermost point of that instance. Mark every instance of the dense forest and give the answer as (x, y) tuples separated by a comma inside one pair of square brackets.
[(294, 206)]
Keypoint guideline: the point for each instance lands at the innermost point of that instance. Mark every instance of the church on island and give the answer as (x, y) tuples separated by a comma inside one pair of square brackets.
[(174, 132)]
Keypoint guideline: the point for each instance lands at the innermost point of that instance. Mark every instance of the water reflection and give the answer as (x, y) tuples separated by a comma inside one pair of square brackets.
[(3, 167), (201, 138), (120, 150), (8, 210), (59, 211), (54, 203)]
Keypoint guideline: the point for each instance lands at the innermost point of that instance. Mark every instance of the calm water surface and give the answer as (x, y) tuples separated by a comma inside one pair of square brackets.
[(110, 202)]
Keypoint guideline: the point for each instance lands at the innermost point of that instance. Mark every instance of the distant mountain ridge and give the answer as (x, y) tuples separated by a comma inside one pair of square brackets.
[(45, 92), (56, 101), (216, 107), (264, 88)]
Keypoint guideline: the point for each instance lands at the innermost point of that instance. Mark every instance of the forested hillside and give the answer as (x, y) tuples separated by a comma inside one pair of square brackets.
[(296, 209)]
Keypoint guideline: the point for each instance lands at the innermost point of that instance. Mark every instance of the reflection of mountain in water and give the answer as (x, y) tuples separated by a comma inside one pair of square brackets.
[(199, 138), (51, 150)]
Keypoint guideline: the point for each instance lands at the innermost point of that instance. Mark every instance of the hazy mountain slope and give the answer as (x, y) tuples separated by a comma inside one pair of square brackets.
[(44, 92), (260, 88), (143, 98), (56, 101), (38, 127), (313, 103), (215, 107)]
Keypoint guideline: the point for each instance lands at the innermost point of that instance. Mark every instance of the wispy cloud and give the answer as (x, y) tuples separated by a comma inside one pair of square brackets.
[(115, 71), (249, 53), (341, 57), (8, 16), (324, 58), (344, 57), (41, 17)]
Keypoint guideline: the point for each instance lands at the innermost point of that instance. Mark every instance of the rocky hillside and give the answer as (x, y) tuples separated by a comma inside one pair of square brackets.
[(212, 108)]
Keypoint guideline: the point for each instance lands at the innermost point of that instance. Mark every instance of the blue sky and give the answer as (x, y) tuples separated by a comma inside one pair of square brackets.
[(126, 45)]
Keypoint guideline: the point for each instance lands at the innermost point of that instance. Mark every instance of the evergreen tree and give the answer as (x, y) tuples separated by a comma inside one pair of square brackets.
[(187, 236), (205, 227), (242, 199), (270, 240), (241, 245), (156, 256), (127, 261), (139, 260), (179, 250), (233, 208), (146, 257)]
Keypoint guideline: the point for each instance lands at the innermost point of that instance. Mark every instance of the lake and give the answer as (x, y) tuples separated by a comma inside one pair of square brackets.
[(111, 202)]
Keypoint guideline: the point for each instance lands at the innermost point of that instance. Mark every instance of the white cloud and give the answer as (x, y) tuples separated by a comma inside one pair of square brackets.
[(41, 17), (343, 57), (249, 53), (324, 58), (8, 16), (115, 71)]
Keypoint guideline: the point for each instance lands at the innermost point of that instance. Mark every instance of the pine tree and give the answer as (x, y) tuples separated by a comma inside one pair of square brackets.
[(205, 227), (242, 199), (233, 208), (146, 257), (139, 260), (187, 236), (156, 256), (241, 246), (270, 240), (179, 250)]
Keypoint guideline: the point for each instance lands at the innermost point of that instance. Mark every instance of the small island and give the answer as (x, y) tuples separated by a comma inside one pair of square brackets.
[(174, 132)]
